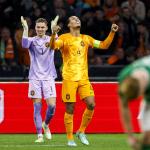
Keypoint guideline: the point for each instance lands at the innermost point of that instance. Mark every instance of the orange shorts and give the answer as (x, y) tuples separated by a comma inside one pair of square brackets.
[(71, 88)]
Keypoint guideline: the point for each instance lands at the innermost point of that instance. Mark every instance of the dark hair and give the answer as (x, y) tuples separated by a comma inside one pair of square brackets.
[(41, 20)]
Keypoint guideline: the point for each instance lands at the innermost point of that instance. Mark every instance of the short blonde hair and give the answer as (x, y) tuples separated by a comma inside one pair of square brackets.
[(41, 20)]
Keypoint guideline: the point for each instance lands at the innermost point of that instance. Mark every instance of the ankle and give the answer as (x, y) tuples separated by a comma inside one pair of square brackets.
[(40, 135)]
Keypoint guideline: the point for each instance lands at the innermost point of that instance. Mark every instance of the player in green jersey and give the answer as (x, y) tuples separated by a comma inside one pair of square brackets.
[(134, 81)]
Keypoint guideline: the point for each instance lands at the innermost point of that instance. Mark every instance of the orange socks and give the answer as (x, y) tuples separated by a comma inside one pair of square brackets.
[(86, 118), (68, 120)]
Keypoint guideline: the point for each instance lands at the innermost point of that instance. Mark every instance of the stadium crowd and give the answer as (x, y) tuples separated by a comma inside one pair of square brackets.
[(131, 42)]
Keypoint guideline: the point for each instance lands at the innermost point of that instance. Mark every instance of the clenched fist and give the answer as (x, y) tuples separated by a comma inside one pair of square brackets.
[(114, 28)]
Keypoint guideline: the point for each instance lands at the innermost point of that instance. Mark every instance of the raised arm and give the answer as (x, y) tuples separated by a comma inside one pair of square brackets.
[(25, 27), (55, 29), (107, 42), (26, 41)]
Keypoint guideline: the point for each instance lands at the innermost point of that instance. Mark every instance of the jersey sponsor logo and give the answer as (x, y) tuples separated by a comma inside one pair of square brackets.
[(67, 96), (32, 93), (1, 106), (82, 44)]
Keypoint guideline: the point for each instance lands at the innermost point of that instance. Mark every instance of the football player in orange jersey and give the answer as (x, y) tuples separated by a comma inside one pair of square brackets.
[(74, 48)]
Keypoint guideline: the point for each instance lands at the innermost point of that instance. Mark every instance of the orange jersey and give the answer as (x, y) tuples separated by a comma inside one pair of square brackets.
[(74, 52)]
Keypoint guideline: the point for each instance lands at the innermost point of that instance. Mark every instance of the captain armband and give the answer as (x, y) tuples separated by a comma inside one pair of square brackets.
[(96, 43)]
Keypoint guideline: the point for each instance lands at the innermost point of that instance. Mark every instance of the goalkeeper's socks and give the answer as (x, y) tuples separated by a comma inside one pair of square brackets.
[(68, 121), (49, 113), (86, 118), (37, 117)]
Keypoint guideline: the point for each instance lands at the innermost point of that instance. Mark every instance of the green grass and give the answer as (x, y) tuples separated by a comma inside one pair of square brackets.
[(97, 142)]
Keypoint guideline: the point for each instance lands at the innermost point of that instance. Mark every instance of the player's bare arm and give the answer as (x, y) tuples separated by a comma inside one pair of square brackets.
[(107, 42), (25, 27), (133, 141), (126, 119)]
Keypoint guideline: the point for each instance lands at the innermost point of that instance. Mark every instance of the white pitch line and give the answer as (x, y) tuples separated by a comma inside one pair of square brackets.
[(37, 145)]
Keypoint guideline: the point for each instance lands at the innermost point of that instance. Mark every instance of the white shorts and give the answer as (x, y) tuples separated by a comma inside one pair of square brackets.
[(144, 116), (42, 88)]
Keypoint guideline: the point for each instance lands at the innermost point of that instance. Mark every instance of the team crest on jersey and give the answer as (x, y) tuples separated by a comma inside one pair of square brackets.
[(32, 92), (82, 44), (47, 44), (67, 96)]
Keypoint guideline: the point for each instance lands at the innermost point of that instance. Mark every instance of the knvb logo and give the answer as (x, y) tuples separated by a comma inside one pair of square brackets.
[(1, 106)]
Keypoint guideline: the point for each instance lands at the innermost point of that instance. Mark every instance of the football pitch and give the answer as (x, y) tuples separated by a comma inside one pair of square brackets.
[(58, 142)]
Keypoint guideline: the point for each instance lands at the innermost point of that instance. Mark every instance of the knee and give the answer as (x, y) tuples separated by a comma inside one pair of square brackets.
[(90, 102), (51, 101), (51, 109), (91, 106), (70, 108)]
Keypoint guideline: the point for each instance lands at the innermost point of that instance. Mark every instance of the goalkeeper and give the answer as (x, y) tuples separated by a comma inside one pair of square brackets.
[(42, 75)]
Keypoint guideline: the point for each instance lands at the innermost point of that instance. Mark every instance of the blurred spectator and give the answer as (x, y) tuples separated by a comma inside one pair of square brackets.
[(80, 6), (98, 60), (130, 28), (37, 13), (7, 15), (7, 48), (111, 10), (87, 21), (130, 54), (148, 20), (71, 2), (93, 3), (118, 56), (101, 25), (27, 4), (143, 40), (61, 8), (137, 9), (91, 57), (94, 59)]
